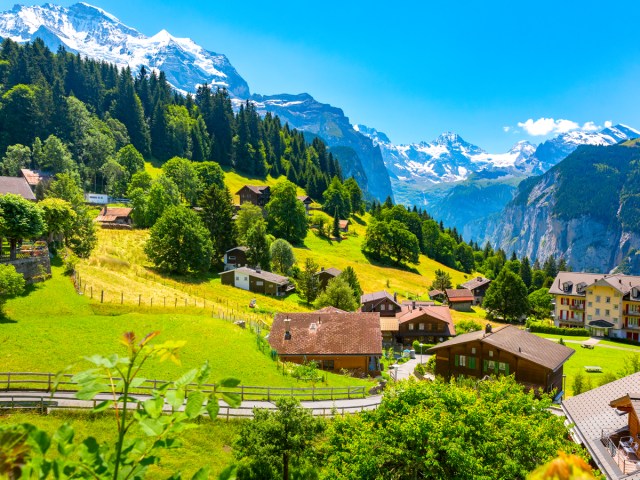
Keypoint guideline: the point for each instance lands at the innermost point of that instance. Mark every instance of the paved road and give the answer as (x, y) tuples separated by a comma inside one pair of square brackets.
[(64, 400)]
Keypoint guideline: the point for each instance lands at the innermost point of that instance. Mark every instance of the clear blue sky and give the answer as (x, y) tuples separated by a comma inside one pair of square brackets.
[(414, 69)]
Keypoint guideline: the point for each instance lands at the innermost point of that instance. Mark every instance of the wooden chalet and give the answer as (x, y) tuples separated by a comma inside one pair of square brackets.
[(389, 327), (343, 225), (115, 217), (478, 287), (324, 275), (257, 194), (382, 302), (459, 299), (426, 324), (235, 257), (306, 201), (16, 186), (605, 421), (335, 339), (536, 362), (437, 295), (257, 280)]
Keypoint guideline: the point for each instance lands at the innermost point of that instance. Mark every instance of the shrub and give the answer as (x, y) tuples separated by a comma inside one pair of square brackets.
[(70, 263), (430, 366), (419, 371), (536, 327), (468, 325)]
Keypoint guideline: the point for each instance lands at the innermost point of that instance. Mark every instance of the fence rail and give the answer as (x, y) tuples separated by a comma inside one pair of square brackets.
[(46, 381), (44, 404)]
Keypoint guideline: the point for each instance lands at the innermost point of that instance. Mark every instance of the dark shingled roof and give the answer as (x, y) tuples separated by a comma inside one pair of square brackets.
[(435, 293), (17, 186), (331, 271), (522, 344), (242, 249), (591, 413), (476, 282), (601, 324), (334, 333), (377, 297), (254, 188), (262, 275)]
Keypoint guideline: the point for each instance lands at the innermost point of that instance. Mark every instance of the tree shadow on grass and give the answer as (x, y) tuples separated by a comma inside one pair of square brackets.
[(4, 319), (385, 263), (358, 220)]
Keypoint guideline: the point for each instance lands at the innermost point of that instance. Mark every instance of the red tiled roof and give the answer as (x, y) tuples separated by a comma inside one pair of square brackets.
[(327, 333), (459, 295), (343, 224), (34, 177), (111, 214)]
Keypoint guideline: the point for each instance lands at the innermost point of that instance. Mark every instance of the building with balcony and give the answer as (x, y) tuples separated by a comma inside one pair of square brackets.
[(606, 305)]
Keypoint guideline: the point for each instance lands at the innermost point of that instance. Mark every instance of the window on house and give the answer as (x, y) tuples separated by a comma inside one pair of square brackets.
[(590, 292), (473, 350), (615, 306), (490, 353), (492, 365), (382, 307), (465, 361), (597, 298), (589, 317), (597, 311), (421, 326), (237, 278), (632, 322), (411, 326), (607, 299), (259, 283), (607, 313), (590, 304), (328, 364)]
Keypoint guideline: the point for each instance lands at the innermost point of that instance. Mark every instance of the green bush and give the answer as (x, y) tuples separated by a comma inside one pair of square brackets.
[(430, 366), (420, 370), (70, 263), (536, 327)]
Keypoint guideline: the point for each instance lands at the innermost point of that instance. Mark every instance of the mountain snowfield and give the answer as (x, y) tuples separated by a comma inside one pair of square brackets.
[(90, 31), (449, 158)]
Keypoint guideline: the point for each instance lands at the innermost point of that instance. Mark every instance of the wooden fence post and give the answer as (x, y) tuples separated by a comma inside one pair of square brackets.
[(121, 298), (139, 299), (151, 301), (91, 292), (101, 296)]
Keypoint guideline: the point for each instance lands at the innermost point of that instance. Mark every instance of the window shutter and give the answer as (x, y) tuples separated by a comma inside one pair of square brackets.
[(457, 360), (472, 363), (506, 369), (484, 365)]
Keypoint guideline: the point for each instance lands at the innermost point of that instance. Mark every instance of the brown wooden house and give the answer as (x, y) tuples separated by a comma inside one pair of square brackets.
[(426, 324), (257, 280), (437, 295), (389, 327), (115, 217), (336, 340), (536, 362), (306, 201), (630, 404), (459, 299), (478, 287), (257, 194), (343, 226), (324, 275), (34, 177), (235, 257), (381, 302)]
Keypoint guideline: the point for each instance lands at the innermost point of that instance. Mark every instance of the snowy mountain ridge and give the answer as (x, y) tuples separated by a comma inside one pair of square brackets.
[(90, 31)]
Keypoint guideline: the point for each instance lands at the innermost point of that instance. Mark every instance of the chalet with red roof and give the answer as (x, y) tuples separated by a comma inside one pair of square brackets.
[(459, 299)]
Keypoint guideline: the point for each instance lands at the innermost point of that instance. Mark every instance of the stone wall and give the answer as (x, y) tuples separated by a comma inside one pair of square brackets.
[(29, 267)]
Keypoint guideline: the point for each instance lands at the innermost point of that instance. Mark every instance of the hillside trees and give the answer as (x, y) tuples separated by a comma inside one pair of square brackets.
[(258, 246), (150, 198), (282, 257), (338, 294), (21, 219), (217, 214), (59, 217), (337, 200), (442, 281), (16, 157), (308, 282), (286, 215), (391, 240), (248, 215), (179, 242), (349, 276), (507, 297)]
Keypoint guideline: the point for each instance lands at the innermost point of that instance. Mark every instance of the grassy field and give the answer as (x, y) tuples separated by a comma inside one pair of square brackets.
[(207, 445), (51, 327)]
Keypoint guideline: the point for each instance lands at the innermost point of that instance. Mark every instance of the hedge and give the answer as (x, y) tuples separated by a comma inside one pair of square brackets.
[(569, 332)]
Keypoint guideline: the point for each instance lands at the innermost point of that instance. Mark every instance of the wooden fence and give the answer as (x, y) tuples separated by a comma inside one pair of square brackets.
[(46, 382)]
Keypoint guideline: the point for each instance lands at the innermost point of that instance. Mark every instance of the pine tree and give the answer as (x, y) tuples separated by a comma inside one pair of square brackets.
[(217, 215), (335, 231)]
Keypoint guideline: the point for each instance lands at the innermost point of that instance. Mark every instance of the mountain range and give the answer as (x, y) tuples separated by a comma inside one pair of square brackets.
[(92, 32)]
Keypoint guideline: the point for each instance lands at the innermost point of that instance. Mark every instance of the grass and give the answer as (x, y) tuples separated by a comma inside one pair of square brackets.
[(51, 327), (209, 444), (236, 181)]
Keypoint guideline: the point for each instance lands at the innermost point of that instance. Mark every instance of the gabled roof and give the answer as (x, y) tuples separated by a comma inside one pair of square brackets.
[(416, 303), (242, 249), (343, 224), (435, 293), (34, 177), (304, 198), (519, 343), (622, 283), (601, 323), (17, 186), (330, 309), (334, 272), (260, 274), (377, 297), (459, 295), (110, 214), (439, 313), (259, 189), (327, 334), (476, 282), (591, 413), (389, 324)]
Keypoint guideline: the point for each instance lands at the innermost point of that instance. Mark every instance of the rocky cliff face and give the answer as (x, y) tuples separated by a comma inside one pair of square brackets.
[(536, 225)]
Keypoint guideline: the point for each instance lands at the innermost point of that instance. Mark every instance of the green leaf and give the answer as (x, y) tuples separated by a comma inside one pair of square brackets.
[(151, 426), (102, 406), (202, 474), (213, 407), (175, 398), (137, 382), (153, 406), (194, 405), (233, 399), (64, 438), (90, 391), (186, 379), (203, 373), (229, 382), (40, 439), (229, 473)]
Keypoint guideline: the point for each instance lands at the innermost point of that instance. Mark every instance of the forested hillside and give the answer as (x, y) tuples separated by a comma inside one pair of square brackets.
[(94, 109)]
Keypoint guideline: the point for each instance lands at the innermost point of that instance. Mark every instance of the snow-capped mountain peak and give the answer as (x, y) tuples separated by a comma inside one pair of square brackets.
[(91, 31)]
